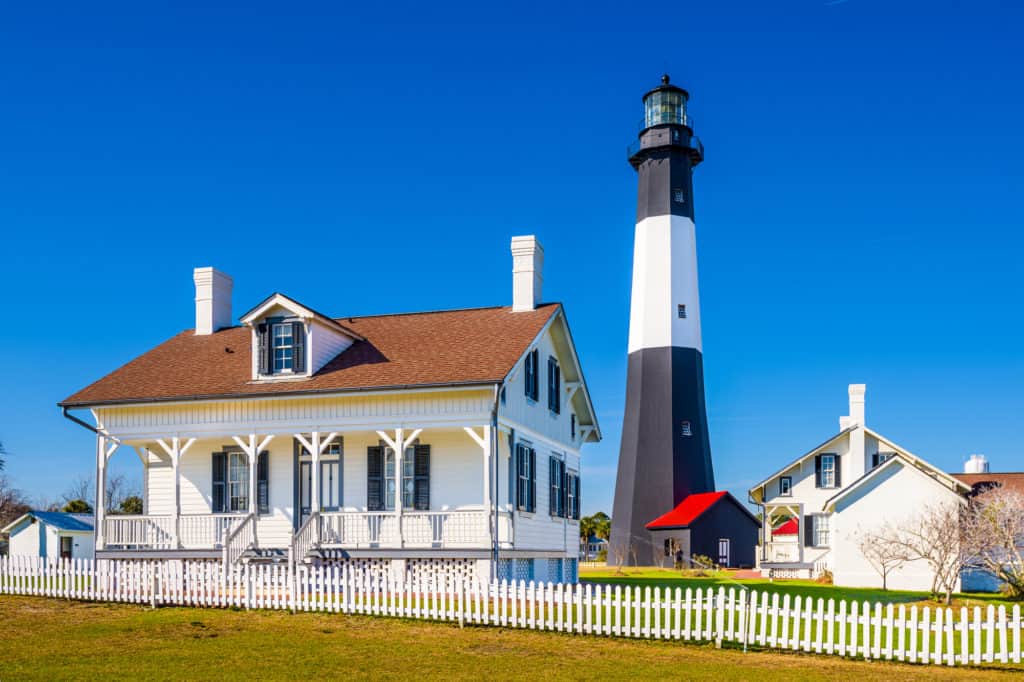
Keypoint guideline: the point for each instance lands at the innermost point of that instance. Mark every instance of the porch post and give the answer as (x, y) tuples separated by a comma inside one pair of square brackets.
[(175, 450), (101, 490), (252, 449), (485, 442), (398, 444), (314, 494)]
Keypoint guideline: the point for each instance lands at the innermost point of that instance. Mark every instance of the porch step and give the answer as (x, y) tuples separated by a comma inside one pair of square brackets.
[(264, 555)]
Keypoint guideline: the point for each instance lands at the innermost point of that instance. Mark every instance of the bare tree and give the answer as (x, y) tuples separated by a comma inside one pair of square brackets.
[(80, 489), (881, 551), (993, 537), (12, 502), (933, 536)]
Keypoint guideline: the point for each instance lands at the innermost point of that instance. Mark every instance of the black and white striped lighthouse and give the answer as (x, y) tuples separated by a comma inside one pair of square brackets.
[(665, 455)]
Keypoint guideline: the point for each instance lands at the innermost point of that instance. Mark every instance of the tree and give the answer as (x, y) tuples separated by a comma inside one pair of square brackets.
[(882, 552), (119, 489), (77, 507), (131, 505), (12, 502), (933, 536), (2, 453), (81, 489), (602, 525), (993, 537)]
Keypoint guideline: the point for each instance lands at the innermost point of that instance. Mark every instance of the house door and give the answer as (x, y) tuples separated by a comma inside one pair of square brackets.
[(65, 547), (723, 552)]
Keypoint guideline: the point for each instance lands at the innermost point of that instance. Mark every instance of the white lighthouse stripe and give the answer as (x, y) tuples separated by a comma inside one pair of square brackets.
[(664, 278)]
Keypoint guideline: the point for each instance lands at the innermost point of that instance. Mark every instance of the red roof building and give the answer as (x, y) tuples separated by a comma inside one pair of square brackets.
[(712, 524)]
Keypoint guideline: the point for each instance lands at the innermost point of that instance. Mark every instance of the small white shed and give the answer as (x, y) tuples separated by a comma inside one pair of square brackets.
[(52, 534)]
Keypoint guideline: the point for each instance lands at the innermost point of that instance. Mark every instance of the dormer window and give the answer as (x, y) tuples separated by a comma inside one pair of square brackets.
[(283, 334), (281, 347)]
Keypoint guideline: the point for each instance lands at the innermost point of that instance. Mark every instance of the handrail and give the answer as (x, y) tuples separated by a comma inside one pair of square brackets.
[(239, 539), (306, 537)]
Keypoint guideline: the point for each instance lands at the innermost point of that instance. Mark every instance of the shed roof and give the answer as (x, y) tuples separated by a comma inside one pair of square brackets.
[(82, 523)]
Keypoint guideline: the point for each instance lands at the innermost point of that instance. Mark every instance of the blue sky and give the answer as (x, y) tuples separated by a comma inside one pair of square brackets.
[(859, 213)]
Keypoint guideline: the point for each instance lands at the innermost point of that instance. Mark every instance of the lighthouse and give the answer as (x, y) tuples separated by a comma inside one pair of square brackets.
[(665, 456)]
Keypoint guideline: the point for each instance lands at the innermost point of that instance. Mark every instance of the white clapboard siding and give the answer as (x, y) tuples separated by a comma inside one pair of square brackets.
[(935, 635)]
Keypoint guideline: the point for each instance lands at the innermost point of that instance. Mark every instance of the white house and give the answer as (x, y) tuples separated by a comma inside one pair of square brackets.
[(423, 442), (816, 505), (51, 534)]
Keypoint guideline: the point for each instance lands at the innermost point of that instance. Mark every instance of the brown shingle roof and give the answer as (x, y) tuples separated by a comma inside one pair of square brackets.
[(1010, 480), (416, 349)]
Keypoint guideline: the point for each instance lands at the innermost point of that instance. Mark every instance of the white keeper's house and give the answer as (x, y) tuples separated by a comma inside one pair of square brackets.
[(854, 482), (422, 443)]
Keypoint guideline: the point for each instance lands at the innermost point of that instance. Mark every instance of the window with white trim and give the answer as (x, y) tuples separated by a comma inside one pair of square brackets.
[(821, 530), (408, 478), (785, 486), (284, 347), (238, 482), (828, 471)]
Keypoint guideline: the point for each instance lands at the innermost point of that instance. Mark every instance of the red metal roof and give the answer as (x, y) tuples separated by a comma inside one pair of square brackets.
[(687, 511), (790, 527)]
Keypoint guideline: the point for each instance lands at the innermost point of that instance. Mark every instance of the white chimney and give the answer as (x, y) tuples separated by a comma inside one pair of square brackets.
[(976, 464), (213, 300), (858, 461), (857, 403), (527, 267)]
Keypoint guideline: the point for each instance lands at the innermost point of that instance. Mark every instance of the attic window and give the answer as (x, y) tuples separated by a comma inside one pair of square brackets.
[(682, 311), (687, 430), (678, 196), (284, 347)]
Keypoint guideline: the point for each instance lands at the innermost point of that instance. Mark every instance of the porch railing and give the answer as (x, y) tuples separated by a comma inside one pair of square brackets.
[(139, 532), (781, 552), (241, 537), (199, 531), (419, 529)]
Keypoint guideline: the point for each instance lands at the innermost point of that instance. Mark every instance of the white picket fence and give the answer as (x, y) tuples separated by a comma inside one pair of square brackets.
[(935, 635)]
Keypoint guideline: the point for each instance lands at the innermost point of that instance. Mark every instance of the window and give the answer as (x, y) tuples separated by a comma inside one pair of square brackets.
[(880, 458), (554, 386), (572, 495), (679, 196), (238, 482), (682, 311), (531, 382), (502, 395), (572, 426), (526, 478), (284, 346), (556, 477), (827, 472), (408, 478), (686, 430), (785, 486), (821, 535)]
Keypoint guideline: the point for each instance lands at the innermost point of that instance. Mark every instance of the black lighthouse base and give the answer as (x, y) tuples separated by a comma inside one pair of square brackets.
[(665, 454)]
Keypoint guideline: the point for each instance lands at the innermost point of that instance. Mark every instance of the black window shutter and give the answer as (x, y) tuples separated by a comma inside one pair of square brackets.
[(536, 374), (554, 386), (421, 481), (817, 471), (528, 375), (521, 497), (874, 460), (809, 531), (263, 350), (299, 343), (552, 486), (839, 469), (220, 470), (579, 493), (375, 478), (572, 426), (533, 480), (566, 500), (263, 483)]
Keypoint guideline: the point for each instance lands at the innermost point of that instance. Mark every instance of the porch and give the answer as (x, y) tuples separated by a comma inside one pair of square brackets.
[(295, 493)]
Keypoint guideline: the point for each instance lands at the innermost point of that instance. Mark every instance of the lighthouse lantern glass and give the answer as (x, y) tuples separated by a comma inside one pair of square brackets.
[(664, 106)]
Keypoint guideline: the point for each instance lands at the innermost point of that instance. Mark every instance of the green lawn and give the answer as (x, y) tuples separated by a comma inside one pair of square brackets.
[(50, 639), (661, 577)]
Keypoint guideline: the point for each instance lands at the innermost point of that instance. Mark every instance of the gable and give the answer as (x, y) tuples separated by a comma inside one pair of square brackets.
[(756, 491), (897, 483)]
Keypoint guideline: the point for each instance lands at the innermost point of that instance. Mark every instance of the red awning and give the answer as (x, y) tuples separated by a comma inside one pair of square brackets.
[(791, 527)]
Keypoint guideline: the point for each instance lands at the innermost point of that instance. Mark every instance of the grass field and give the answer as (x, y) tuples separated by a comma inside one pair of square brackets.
[(661, 577), (56, 639)]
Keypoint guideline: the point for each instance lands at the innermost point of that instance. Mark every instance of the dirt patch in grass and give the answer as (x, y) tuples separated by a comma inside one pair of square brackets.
[(76, 640)]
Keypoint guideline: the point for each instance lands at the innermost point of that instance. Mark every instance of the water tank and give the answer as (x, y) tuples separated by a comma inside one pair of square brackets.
[(976, 464)]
